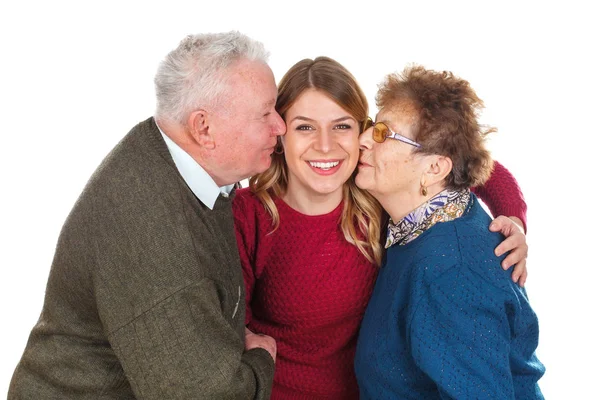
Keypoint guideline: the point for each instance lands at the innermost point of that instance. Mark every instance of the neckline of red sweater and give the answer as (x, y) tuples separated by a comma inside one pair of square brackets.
[(285, 207)]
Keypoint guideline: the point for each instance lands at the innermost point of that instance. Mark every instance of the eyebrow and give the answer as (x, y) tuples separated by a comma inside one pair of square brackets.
[(302, 118)]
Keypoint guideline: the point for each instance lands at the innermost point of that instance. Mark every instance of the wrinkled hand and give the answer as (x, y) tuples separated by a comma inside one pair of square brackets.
[(254, 340), (515, 243)]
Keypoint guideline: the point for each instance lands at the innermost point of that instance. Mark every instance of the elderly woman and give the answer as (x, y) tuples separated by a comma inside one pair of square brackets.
[(444, 321)]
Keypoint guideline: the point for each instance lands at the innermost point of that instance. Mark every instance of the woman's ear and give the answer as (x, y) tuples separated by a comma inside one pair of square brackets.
[(198, 126), (438, 169)]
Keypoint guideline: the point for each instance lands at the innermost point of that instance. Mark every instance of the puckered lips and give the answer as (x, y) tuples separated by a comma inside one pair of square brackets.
[(363, 163), (325, 167)]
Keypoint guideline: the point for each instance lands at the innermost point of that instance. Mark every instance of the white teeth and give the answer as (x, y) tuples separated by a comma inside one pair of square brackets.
[(323, 165)]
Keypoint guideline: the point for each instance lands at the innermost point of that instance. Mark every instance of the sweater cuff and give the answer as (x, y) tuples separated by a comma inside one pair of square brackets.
[(263, 366)]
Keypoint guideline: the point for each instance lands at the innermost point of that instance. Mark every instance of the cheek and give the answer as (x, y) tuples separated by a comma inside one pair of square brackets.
[(382, 160), (385, 169), (351, 146), (258, 138), (389, 168), (288, 145), (294, 145), (289, 154)]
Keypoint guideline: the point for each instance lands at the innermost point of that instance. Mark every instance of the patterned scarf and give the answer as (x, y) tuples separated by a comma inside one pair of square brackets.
[(443, 207)]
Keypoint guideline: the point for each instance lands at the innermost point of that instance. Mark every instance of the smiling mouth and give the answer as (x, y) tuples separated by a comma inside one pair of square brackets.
[(325, 166)]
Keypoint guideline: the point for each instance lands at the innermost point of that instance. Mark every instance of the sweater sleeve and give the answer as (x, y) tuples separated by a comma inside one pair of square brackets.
[(502, 194), (184, 348), (460, 337), (245, 231)]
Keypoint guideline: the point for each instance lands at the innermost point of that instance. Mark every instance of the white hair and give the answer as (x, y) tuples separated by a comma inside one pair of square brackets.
[(191, 76)]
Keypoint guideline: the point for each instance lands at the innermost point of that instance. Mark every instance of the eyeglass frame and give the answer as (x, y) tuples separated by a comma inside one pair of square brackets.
[(368, 123)]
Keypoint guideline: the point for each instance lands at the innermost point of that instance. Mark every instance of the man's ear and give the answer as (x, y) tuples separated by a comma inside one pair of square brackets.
[(198, 126), (438, 169)]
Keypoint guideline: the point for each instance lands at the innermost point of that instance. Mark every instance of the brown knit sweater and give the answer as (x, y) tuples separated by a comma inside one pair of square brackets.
[(145, 297)]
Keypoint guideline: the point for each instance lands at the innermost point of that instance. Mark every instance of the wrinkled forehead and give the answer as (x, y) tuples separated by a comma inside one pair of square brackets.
[(249, 83), (399, 112), (251, 73)]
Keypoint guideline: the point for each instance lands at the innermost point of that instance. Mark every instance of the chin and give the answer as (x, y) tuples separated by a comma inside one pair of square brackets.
[(262, 166), (360, 182), (328, 189)]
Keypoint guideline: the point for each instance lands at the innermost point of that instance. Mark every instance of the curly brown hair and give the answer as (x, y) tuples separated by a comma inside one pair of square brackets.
[(447, 110)]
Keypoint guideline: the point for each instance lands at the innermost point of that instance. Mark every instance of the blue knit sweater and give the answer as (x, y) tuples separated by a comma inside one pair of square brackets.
[(445, 321)]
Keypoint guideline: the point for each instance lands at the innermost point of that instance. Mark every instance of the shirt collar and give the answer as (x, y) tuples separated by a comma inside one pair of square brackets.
[(444, 206), (197, 179)]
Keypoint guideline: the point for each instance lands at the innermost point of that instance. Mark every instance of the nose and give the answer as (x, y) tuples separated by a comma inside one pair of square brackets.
[(324, 142), (366, 139), (278, 125)]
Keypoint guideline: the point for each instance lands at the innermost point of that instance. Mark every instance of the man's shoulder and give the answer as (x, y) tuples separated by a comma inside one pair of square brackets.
[(134, 175), (139, 161), (141, 147)]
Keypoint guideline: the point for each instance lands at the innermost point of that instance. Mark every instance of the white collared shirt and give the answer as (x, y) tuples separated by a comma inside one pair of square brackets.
[(197, 179)]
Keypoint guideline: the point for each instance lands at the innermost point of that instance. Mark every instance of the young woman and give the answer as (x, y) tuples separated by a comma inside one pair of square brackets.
[(444, 321), (309, 239)]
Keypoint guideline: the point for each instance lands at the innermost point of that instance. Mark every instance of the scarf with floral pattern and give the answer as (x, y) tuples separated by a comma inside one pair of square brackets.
[(444, 206)]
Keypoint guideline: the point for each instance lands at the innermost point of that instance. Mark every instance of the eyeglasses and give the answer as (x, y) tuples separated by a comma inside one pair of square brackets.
[(381, 132)]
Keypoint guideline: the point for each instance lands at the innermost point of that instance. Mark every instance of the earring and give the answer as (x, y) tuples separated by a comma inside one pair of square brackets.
[(278, 148), (424, 190)]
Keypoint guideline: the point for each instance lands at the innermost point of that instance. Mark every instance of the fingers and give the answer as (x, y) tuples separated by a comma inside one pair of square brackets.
[(507, 225), (515, 244), (269, 344), (519, 223), (254, 340), (523, 278), (520, 273), (502, 224), (512, 242), (515, 256)]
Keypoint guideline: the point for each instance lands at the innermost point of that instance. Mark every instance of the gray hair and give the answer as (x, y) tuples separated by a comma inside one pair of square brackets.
[(191, 76)]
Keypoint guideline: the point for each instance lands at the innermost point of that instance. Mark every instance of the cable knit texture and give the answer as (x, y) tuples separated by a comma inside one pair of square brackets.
[(445, 321)]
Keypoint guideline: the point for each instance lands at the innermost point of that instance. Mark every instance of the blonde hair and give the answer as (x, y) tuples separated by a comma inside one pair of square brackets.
[(361, 215)]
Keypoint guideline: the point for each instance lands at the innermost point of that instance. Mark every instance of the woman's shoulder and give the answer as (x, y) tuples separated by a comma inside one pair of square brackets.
[(244, 198), (246, 204), (477, 244), (472, 229)]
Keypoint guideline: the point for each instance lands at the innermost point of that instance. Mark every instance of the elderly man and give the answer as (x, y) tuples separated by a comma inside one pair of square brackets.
[(145, 297)]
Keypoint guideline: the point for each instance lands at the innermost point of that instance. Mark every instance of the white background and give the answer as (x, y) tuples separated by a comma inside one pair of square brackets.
[(76, 77)]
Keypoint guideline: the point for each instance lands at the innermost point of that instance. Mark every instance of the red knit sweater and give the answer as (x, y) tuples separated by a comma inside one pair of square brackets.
[(308, 288)]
